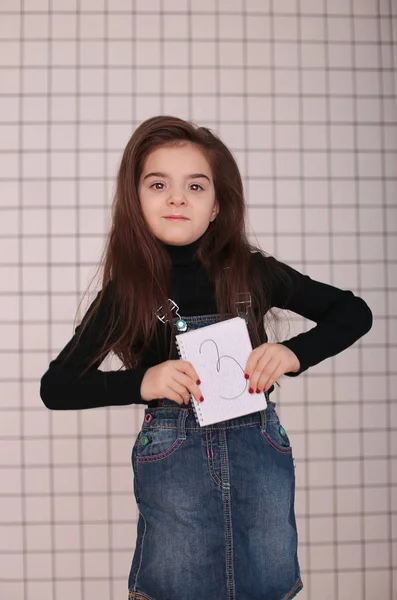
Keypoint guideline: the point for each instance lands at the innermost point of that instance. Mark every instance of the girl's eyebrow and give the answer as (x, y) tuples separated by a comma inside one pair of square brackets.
[(165, 176)]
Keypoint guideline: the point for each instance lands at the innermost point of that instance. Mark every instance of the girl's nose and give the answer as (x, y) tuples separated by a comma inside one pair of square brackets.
[(177, 198)]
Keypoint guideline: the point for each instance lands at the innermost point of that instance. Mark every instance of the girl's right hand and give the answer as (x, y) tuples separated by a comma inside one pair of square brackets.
[(172, 379)]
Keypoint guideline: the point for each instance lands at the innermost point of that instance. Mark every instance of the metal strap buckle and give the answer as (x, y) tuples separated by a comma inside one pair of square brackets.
[(173, 306), (245, 301), (180, 323)]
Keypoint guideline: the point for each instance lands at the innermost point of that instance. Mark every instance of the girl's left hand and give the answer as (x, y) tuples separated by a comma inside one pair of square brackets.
[(267, 363)]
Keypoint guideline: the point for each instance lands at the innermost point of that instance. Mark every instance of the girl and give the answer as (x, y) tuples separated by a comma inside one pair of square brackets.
[(216, 503)]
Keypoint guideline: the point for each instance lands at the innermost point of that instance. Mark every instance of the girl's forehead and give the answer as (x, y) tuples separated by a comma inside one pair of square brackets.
[(176, 156)]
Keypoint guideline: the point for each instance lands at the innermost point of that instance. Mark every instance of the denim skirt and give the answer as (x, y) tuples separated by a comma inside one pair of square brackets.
[(216, 506)]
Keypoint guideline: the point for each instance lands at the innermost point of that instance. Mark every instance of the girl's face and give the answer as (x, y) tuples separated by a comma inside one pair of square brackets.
[(177, 181)]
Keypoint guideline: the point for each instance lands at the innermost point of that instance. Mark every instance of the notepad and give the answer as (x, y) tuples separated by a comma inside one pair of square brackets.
[(219, 353)]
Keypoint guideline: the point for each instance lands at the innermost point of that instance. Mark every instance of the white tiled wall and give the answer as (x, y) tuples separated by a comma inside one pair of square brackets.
[(303, 92)]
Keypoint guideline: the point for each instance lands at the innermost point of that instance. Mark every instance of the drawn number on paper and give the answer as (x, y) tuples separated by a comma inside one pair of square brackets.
[(218, 368)]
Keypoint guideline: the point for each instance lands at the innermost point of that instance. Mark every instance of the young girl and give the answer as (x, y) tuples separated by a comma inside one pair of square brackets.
[(216, 503)]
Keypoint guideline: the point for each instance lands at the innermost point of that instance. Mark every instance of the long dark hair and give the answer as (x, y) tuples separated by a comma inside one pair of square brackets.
[(133, 254)]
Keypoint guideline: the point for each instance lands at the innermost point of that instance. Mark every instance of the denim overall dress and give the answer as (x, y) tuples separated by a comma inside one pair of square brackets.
[(216, 505)]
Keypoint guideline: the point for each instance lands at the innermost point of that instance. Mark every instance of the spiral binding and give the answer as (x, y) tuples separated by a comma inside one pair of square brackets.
[(196, 409)]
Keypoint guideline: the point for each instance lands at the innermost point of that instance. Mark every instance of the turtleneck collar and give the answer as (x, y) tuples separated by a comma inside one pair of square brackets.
[(183, 255)]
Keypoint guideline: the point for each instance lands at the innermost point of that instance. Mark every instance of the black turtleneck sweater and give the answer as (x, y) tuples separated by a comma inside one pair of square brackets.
[(341, 319)]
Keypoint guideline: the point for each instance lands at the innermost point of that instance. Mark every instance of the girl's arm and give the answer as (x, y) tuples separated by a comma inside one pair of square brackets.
[(341, 317), (62, 387)]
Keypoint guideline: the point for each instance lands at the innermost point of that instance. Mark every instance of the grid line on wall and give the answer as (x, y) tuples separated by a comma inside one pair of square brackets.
[(307, 567), (20, 320), (389, 434), (361, 428)]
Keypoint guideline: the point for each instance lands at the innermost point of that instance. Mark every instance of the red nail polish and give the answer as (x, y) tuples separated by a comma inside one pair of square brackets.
[(201, 399), (251, 391), (198, 381), (257, 391), (246, 376)]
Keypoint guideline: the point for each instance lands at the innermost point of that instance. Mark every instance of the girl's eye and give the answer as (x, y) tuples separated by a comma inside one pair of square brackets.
[(158, 183)]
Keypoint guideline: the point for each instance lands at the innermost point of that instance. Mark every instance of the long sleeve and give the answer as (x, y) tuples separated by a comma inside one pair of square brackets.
[(341, 317), (63, 388)]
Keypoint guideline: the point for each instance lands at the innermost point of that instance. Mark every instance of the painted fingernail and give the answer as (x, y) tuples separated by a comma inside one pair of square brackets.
[(251, 391), (246, 376), (201, 399), (258, 391), (198, 381)]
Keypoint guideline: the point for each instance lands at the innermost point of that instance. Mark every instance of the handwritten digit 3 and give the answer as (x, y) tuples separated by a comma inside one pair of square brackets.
[(218, 366)]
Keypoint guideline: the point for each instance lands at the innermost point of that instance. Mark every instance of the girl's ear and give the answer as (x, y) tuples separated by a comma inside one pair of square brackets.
[(215, 212)]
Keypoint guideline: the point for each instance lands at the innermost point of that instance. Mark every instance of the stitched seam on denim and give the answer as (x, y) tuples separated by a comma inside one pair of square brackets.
[(280, 449), (135, 477), (138, 596), (194, 318), (157, 457), (227, 511), (291, 593), (211, 466), (208, 428), (181, 424), (140, 558)]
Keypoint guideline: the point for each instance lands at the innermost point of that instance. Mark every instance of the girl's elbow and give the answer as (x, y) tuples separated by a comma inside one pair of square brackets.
[(367, 316), (46, 398), (48, 393)]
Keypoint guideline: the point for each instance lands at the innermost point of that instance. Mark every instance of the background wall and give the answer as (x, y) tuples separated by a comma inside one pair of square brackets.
[(303, 92)]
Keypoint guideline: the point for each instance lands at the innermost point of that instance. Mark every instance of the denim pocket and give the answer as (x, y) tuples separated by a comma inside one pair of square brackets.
[(156, 443), (275, 433)]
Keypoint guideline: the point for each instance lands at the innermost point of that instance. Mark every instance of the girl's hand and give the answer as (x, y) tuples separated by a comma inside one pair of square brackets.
[(172, 379), (267, 363)]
